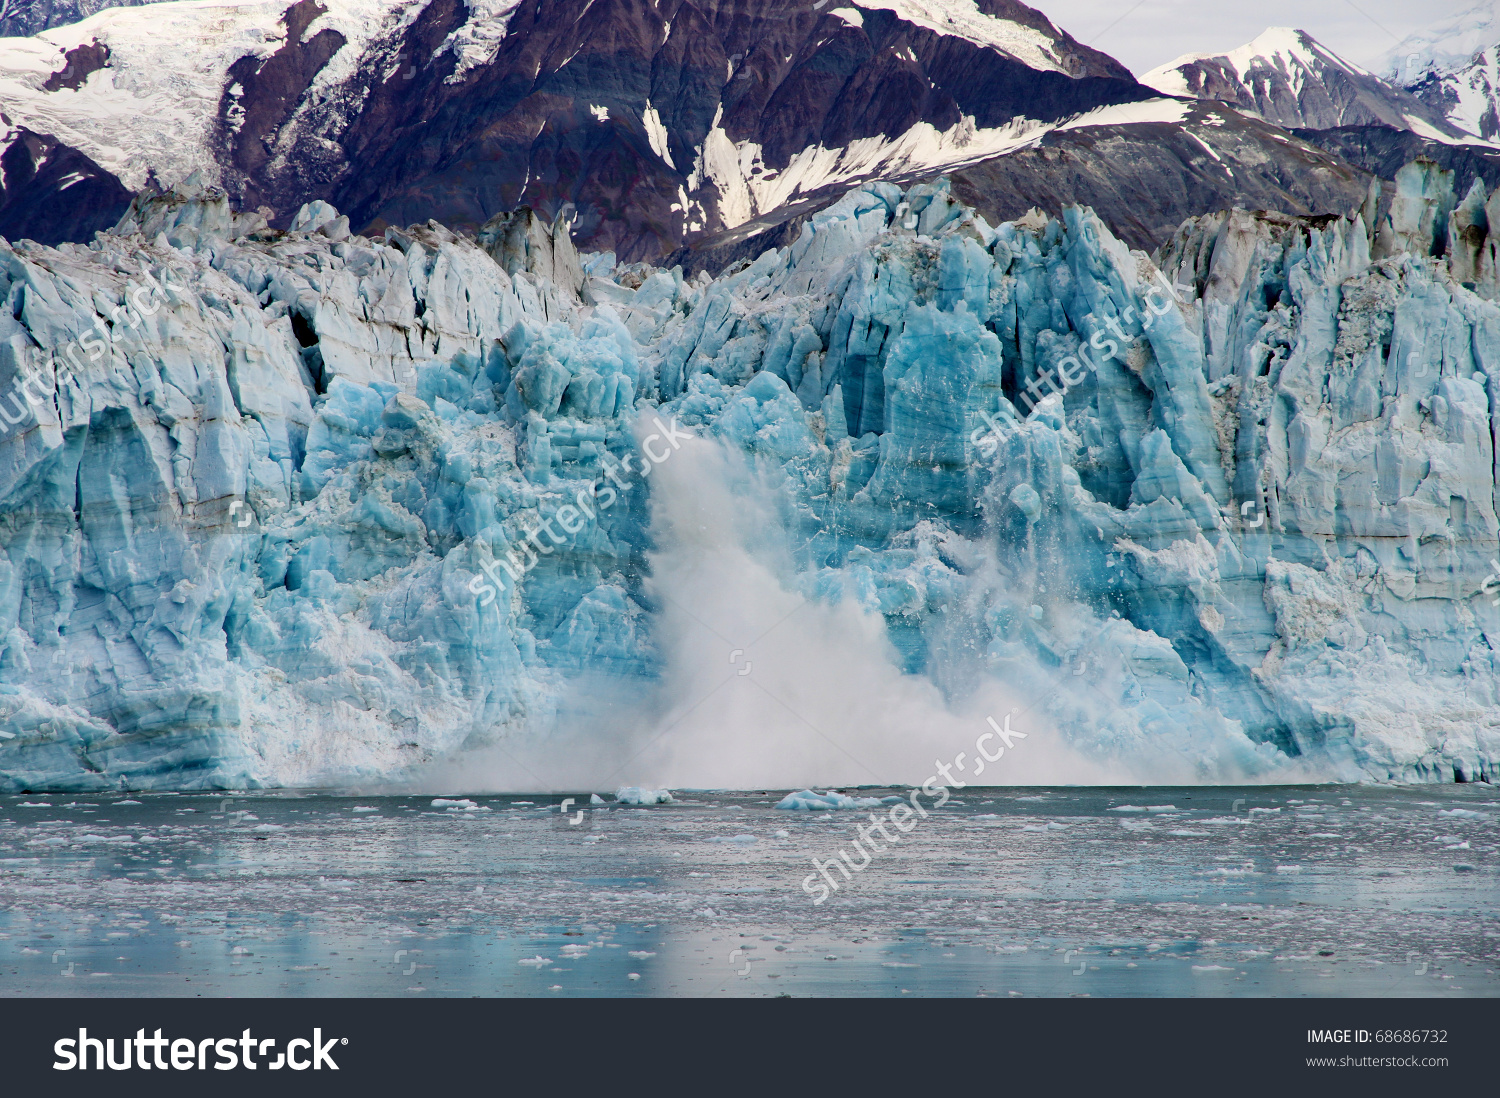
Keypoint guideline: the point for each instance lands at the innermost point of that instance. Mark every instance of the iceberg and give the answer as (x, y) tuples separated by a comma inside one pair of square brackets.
[(308, 508)]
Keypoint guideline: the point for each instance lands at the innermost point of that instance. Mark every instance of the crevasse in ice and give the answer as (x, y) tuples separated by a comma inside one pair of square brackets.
[(265, 499)]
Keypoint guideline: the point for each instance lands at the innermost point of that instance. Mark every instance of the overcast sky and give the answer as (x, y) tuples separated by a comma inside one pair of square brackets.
[(1157, 31)]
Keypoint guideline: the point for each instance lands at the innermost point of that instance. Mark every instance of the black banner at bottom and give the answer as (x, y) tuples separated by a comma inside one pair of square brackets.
[(339, 1046)]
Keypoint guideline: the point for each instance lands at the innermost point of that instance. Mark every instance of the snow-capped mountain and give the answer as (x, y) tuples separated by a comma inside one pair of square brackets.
[(1455, 69), (1288, 78), (656, 120)]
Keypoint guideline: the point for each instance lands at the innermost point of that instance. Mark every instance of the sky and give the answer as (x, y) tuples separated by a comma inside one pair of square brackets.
[(1152, 32)]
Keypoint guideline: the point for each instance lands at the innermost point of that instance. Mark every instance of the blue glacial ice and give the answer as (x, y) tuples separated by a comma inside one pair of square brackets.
[(308, 508)]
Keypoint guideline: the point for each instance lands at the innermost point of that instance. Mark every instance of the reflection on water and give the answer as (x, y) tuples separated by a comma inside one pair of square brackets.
[(1328, 890)]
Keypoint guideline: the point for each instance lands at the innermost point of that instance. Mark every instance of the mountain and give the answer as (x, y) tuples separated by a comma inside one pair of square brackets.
[(1455, 69), (701, 126), (1286, 77), (654, 120)]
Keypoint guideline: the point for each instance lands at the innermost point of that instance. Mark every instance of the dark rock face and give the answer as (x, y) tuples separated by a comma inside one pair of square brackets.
[(262, 95), (81, 60), (564, 111), (1143, 179), (52, 193), (1383, 151)]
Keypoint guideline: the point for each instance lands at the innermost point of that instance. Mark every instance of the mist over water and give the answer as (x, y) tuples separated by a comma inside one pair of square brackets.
[(764, 688)]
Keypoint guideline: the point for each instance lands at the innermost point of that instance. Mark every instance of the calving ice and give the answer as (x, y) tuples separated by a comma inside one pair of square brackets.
[(190, 1054), (901, 816)]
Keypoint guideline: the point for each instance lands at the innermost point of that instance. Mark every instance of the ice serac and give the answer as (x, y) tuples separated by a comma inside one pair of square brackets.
[(307, 507)]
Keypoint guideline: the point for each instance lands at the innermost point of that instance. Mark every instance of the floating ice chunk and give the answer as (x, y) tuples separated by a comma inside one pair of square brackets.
[(1463, 813), (641, 954), (364, 808), (806, 800), (1161, 808), (127, 802), (1263, 811), (464, 803), (1288, 869), (1183, 833), (1129, 808), (632, 975), (35, 804), (746, 840), (1212, 968), (536, 962), (630, 794), (268, 827), (594, 798)]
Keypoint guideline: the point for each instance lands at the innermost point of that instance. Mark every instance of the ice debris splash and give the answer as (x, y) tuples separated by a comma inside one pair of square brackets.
[(1238, 534)]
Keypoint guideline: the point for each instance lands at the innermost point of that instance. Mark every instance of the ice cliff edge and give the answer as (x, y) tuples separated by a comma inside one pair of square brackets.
[(270, 502)]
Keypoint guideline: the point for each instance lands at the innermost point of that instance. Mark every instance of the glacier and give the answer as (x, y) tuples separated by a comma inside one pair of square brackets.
[(306, 509)]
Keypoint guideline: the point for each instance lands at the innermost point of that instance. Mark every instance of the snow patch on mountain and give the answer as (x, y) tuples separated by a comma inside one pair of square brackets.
[(745, 188), (963, 19)]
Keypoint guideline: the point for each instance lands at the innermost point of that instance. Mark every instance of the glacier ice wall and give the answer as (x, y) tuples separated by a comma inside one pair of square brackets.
[(308, 508)]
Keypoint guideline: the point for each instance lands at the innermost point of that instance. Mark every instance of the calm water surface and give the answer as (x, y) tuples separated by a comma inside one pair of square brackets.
[(1308, 891)]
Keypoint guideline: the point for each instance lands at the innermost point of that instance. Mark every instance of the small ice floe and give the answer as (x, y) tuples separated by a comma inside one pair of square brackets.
[(1212, 968), (1128, 808), (268, 827), (805, 800), (898, 964), (35, 804), (1263, 811), (1161, 808), (783, 834), (631, 794), (985, 816), (742, 840), (640, 954), (535, 962), (1185, 834), (1049, 826), (1288, 869), (1463, 813), (575, 950), (462, 804), (127, 802), (364, 808), (632, 976), (1138, 825), (594, 798)]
